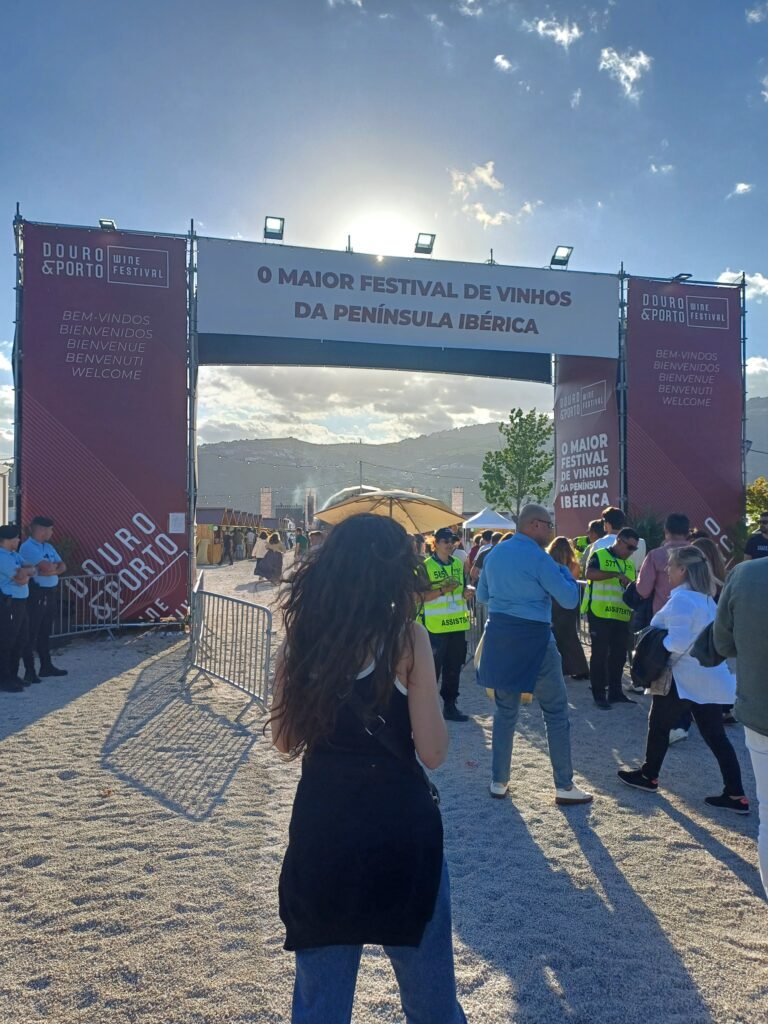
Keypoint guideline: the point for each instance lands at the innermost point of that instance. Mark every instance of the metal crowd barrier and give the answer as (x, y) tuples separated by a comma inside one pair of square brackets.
[(231, 640), (477, 617), (86, 604)]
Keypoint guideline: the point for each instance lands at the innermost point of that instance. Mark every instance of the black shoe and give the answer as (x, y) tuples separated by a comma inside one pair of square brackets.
[(636, 779), (51, 670), (739, 805), (602, 704), (452, 714), (728, 718), (581, 675), (30, 676), (623, 699), (11, 686)]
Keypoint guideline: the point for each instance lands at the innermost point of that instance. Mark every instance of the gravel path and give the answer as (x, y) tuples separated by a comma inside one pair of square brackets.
[(143, 833)]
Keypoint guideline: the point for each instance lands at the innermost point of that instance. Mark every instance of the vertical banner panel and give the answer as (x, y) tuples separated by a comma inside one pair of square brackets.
[(587, 441), (684, 402), (103, 415)]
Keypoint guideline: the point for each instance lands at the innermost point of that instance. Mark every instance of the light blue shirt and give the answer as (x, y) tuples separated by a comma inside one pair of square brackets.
[(519, 578), (10, 563), (34, 551)]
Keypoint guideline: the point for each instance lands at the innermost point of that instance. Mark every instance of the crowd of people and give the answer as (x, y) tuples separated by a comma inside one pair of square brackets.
[(374, 644), (29, 580)]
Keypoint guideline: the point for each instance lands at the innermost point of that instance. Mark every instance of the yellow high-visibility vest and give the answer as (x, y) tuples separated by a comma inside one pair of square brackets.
[(447, 613), (603, 597)]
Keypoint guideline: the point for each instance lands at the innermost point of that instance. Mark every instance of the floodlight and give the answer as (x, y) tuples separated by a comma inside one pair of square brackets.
[(680, 278), (106, 224), (425, 243), (560, 256), (274, 228)]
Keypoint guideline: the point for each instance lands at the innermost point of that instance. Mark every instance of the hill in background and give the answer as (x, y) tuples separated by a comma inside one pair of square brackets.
[(232, 472)]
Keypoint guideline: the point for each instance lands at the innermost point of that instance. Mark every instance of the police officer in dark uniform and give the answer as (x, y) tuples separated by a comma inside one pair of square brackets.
[(38, 551), (14, 590)]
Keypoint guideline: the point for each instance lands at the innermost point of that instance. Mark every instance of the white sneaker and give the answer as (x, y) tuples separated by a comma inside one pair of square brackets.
[(574, 795), (499, 789), (675, 735), (634, 688)]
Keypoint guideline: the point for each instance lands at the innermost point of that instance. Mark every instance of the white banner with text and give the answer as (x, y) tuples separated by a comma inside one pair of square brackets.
[(258, 290)]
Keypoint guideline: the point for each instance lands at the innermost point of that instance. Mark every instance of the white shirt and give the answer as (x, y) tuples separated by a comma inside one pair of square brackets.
[(461, 554), (684, 616)]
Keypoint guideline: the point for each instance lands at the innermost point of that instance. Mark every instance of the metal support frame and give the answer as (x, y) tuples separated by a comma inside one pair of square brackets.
[(18, 232), (743, 300), (621, 389), (192, 372)]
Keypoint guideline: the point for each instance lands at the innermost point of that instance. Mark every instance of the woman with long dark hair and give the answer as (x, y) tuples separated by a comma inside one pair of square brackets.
[(356, 697), (565, 621)]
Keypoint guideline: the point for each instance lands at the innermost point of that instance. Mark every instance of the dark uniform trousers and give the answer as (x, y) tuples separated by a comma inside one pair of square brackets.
[(13, 634), (450, 652), (609, 652), (42, 607)]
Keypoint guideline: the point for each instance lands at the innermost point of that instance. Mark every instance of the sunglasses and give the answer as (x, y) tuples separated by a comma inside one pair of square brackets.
[(547, 523), (631, 547)]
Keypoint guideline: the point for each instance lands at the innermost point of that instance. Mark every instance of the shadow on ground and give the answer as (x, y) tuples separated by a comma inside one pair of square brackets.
[(19, 710), (173, 747)]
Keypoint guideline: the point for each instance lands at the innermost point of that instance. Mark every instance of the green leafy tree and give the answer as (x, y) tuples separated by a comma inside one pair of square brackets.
[(518, 472), (757, 501)]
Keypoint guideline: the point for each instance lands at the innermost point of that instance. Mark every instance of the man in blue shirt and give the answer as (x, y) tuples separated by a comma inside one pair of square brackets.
[(14, 589), (518, 581), (38, 551)]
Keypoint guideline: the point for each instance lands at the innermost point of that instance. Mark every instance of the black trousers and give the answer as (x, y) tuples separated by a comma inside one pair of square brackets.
[(450, 652), (13, 634), (610, 638), (41, 605), (665, 712)]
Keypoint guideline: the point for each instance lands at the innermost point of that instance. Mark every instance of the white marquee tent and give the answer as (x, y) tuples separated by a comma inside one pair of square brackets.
[(487, 519)]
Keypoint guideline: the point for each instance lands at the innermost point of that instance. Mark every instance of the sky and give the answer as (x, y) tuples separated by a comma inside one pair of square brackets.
[(633, 132)]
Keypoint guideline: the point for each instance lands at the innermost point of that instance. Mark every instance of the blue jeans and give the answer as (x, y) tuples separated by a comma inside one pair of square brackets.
[(325, 977), (553, 698)]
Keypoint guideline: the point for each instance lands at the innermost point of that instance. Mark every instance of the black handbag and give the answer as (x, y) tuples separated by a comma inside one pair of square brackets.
[(378, 728)]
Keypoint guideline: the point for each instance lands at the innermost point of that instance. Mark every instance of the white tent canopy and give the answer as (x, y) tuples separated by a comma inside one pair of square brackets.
[(487, 519)]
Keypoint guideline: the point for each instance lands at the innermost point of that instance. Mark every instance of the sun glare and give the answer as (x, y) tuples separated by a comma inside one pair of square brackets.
[(383, 233)]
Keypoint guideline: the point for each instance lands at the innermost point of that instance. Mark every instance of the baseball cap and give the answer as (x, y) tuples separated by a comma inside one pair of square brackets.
[(445, 533)]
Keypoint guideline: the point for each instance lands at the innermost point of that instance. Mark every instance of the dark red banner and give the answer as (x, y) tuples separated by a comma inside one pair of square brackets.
[(684, 402), (586, 440), (103, 408)]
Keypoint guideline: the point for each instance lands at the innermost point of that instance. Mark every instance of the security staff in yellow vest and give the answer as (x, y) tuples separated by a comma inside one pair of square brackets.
[(446, 616), (609, 572)]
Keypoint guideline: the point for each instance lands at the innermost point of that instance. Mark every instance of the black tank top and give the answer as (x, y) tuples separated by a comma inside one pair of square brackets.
[(365, 848)]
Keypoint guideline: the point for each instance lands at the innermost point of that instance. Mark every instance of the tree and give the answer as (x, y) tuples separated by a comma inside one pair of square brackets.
[(757, 500), (518, 472)]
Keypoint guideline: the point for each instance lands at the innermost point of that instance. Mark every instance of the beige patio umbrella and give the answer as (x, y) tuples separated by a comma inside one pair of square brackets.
[(416, 513)]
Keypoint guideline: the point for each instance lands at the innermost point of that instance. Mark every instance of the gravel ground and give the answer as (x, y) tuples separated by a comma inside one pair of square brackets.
[(143, 831)]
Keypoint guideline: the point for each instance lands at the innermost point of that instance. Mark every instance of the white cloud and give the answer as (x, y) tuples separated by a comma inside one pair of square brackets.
[(342, 3), (626, 68), (757, 284), (740, 189), (469, 8), (756, 14), (576, 99), (662, 168), (757, 377), (562, 33), (503, 64), (495, 220), (434, 20), (464, 182), (6, 350), (325, 405), (764, 91)]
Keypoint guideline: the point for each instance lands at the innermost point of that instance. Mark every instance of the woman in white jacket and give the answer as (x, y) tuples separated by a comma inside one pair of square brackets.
[(703, 691)]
